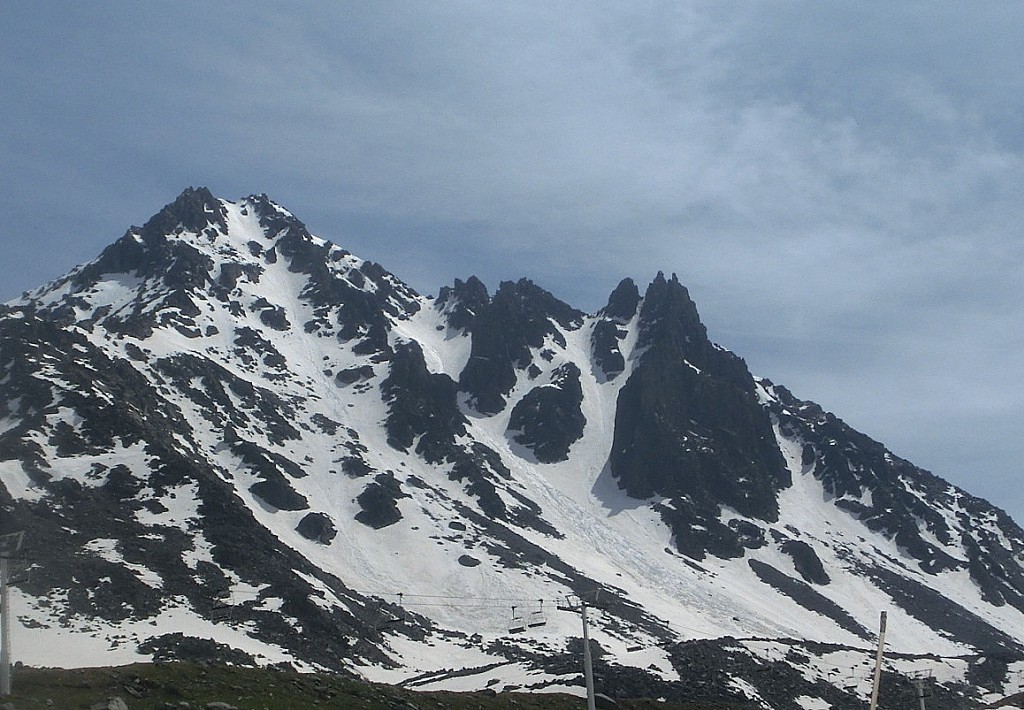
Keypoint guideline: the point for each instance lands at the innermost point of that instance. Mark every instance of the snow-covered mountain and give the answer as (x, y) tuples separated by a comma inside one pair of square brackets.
[(227, 438)]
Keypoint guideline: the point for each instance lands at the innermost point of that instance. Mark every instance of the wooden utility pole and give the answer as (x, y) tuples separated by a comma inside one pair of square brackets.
[(5, 631), (878, 662), (920, 684), (9, 546), (588, 667)]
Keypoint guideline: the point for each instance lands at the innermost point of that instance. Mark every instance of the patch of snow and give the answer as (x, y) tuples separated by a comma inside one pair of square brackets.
[(17, 482), (107, 549)]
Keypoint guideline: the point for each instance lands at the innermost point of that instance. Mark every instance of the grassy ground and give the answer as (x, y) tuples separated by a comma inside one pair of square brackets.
[(163, 686)]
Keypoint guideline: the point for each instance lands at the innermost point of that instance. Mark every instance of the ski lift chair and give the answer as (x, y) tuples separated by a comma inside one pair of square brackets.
[(537, 617), (516, 624)]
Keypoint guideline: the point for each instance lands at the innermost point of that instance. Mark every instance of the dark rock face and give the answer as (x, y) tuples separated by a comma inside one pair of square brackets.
[(478, 468), (136, 414), (749, 535), (806, 596), (157, 252), (317, 527), (195, 209), (939, 612), (521, 316), (353, 375), (991, 564), (179, 647), (623, 302), (688, 426), (360, 311), (549, 419), (274, 317), (806, 561), (422, 407), (421, 404), (214, 389), (275, 490), (608, 332), (254, 349), (697, 531), (69, 515), (379, 502), (463, 302), (604, 342), (849, 463), (990, 672), (903, 497), (150, 252)]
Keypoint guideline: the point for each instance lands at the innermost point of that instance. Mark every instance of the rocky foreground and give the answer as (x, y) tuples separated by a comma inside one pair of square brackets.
[(188, 686)]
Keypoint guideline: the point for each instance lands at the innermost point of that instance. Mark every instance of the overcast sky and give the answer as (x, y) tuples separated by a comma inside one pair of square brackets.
[(839, 184)]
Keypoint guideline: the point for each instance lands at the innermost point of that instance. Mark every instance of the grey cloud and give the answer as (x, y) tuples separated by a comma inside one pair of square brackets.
[(838, 184)]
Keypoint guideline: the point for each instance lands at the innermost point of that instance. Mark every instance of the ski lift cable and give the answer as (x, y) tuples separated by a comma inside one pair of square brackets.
[(492, 602), (455, 597), (590, 596)]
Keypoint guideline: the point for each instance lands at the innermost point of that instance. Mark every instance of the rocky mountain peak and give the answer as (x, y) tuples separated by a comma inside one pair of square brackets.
[(193, 210), (623, 301), (530, 306), (689, 426), (669, 316), (463, 301), (518, 321), (228, 438)]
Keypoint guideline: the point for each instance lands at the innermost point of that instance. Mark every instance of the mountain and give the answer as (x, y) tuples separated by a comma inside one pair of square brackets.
[(228, 439)]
